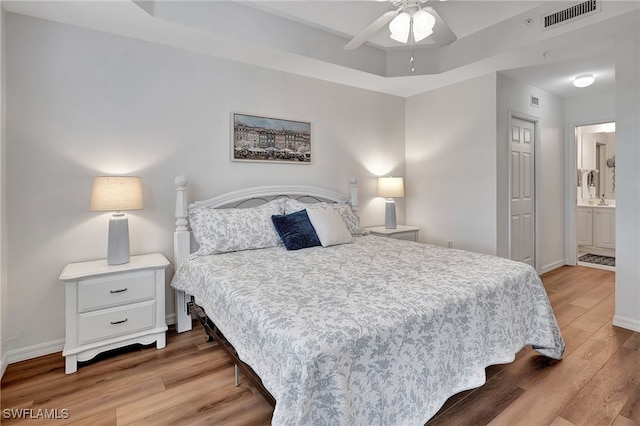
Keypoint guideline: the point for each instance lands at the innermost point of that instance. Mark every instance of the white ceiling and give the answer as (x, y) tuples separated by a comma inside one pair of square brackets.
[(306, 37), (347, 18)]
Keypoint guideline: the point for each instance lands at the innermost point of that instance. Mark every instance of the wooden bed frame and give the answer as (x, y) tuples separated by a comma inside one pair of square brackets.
[(186, 308)]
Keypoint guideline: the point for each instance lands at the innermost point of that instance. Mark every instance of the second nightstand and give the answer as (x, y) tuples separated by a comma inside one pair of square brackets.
[(111, 306), (401, 232)]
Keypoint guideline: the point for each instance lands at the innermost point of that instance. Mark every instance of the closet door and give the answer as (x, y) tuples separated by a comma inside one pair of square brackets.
[(522, 191)]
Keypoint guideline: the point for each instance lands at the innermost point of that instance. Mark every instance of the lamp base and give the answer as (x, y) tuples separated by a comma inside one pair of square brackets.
[(390, 214), (118, 248)]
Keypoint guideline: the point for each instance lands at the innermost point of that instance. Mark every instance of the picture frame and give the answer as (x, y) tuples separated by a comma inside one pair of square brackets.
[(267, 139)]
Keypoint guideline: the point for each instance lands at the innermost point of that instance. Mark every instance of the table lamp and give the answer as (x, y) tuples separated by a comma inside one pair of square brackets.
[(117, 194), (390, 188)]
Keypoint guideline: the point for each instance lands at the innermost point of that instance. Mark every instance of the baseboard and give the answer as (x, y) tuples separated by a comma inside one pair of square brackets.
[(596, 266), (45, 348), (596, 250), (35, 351), (628, 323), (3, 364), (555, 265)]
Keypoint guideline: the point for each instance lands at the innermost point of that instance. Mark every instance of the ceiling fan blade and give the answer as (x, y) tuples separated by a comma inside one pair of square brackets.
[(442, 34), (373, 28)]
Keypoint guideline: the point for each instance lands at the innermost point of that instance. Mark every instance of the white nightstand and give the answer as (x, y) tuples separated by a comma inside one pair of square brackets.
[(111, 306), (401, 232)]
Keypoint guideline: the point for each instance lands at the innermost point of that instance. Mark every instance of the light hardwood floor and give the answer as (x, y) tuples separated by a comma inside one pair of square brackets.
[(191, 381)]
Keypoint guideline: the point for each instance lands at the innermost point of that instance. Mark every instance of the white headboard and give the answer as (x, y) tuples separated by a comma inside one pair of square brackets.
[(182, 235)]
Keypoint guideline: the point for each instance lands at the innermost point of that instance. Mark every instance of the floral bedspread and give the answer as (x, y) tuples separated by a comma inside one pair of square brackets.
[(376, 332)]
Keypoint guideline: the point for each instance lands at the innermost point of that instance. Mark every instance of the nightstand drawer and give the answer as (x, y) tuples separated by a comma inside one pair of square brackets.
[(115, 290), (408, 236), (401, 232), (94, 326)]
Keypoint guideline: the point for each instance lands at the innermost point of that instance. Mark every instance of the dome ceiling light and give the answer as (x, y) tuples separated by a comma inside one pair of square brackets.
[(585, 80)]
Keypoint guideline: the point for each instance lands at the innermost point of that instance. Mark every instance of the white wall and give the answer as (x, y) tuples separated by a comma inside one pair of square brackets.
[(623, 107), (627, 312), (4, 325), (451, 164), (594, 108), (515, 97), (83, 103), (458, 166)]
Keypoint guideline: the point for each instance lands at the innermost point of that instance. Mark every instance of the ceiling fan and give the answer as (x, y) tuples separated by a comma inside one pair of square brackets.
[(409, 18)]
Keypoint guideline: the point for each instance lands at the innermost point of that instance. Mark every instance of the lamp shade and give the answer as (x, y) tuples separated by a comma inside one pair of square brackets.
[(390, 187), (423, 23), (116, 193), (400, 26)]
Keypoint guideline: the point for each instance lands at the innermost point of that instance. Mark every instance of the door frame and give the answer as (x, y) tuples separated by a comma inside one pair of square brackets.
[(536, 181), (571, 189)]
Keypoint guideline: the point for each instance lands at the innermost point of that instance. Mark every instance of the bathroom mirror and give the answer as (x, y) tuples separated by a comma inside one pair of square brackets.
[(595, 151)]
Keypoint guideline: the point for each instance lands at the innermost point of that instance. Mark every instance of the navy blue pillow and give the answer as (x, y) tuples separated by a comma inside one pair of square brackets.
[(296, 230)]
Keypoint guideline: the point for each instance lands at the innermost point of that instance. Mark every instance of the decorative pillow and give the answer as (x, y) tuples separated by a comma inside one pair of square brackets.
[(329, 226), (295, 230), (225, 230), (291, 206), (349, 218)]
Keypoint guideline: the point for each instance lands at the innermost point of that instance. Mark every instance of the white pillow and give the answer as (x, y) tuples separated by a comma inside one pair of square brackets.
[(225, 230), (349, 218), (329, 226)]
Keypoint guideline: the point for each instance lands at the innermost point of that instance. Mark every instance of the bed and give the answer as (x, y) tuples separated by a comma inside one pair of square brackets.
[(366, 330)]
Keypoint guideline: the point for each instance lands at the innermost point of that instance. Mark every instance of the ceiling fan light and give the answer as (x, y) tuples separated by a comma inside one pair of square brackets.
[(400, 26), (418, 35), (424, 21), (402, 38)]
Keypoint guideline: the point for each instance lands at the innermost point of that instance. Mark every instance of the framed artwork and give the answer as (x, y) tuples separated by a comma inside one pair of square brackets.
[(257, 138)]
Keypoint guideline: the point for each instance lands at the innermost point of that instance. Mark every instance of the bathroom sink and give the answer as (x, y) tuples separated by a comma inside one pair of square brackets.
[(611, 204)]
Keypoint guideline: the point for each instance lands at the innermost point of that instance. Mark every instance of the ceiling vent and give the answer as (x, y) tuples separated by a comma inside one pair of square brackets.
[(571, 13)]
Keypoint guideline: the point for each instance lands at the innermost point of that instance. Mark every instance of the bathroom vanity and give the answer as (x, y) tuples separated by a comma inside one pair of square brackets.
[(596, 229)]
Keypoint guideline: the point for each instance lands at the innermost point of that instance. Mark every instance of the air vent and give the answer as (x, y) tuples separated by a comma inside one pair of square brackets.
[(571, 13), (535, 102)]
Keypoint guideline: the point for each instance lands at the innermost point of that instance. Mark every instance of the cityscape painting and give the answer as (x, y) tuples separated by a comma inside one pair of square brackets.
[(258, 138)]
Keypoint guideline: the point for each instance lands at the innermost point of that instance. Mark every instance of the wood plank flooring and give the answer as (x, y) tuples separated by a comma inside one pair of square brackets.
[(190, 382)]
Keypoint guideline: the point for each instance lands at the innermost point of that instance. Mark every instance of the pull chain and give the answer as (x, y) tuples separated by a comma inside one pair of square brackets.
[(411, 60)]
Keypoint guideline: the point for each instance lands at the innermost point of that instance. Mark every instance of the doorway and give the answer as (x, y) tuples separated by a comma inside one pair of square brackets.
[(595, 201)]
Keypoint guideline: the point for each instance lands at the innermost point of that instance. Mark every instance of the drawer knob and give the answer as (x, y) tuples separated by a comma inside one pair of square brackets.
[(118, 291), (119, 322)]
